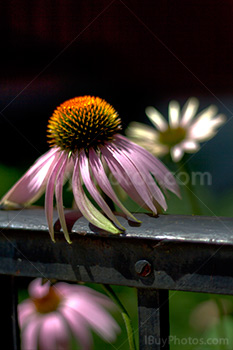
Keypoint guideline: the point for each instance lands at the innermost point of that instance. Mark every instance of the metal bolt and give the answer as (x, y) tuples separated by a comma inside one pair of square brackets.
[(143, 268)]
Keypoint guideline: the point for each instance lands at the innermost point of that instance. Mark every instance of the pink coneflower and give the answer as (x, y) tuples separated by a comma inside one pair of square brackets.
[(181, 134), (53, 315), (83, 134)]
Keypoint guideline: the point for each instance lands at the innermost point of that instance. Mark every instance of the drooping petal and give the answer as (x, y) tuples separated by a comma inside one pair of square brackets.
[(102, 180), (30, 332), (118, 161), (78, 326), (25, 310), (49, 195), (177, 153), (33, 183), (70, 218), (173, 114), (156, 118), (124, 181), (86, 176), (98, 319), (54, 333), (189, 110), (86, 207), (137, 160), (154, 165), (59, 199)]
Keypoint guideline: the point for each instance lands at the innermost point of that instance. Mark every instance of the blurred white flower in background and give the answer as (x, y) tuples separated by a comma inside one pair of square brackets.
[(182, 133)]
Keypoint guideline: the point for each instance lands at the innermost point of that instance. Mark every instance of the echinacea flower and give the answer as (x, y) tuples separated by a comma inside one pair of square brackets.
[(182, 133), (83, 134), (54, 314)]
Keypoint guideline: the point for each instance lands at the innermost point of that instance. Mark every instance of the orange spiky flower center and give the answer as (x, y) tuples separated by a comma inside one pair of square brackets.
[(83, 122)]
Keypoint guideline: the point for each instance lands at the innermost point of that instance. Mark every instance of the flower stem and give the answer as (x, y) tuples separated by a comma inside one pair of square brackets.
[(222, 330), (125, 315), (193, 199)]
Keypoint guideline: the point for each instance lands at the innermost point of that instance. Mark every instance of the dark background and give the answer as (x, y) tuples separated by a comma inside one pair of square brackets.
[(131, 53)]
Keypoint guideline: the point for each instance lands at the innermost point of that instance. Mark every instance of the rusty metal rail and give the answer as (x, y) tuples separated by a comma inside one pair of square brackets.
[(187, 253)]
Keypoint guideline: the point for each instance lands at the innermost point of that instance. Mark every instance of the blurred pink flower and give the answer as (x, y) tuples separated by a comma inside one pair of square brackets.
[(55, 314), (85, 140), (181, 134)]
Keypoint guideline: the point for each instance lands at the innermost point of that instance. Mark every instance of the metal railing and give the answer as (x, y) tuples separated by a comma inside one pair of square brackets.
[(186, 253)]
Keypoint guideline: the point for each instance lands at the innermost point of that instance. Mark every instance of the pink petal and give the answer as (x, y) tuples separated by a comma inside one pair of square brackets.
[(49, 194), (102, 180), (54, 333), (155, 166), (37, 289), (100, 320), (31, 186), (25, 310), (69, 168), (95, 297), (29, 334), (66, 290), (78, 326), (85, 172), (59, 199), (86, 207), (123, 179), (113, 157), (138, 160)]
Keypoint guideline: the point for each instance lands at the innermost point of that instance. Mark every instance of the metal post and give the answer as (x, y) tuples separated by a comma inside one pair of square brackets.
[(153, 316), (8, 315)]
